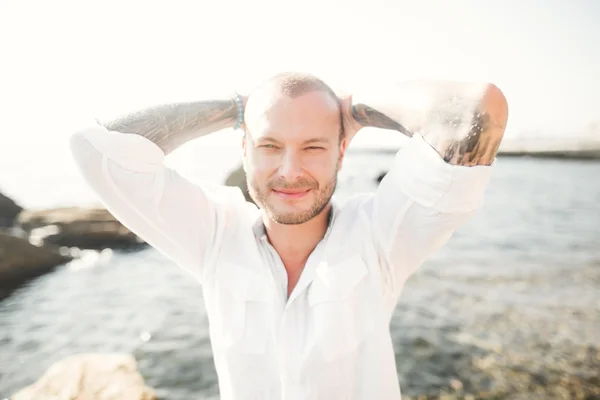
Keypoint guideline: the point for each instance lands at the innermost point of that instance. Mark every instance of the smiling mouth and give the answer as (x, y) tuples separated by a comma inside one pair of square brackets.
[(291, 194)]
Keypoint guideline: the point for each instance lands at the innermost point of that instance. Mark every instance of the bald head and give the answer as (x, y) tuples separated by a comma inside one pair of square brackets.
[(290, 85), (294, 84)]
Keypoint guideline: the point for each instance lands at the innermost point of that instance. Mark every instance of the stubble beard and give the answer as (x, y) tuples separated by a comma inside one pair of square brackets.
[(323, 196)]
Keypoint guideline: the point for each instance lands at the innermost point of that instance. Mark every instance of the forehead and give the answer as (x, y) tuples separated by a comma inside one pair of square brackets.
[(312, 114)]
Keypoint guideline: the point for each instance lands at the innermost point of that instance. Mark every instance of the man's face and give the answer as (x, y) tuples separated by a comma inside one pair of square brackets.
[(292, 153)]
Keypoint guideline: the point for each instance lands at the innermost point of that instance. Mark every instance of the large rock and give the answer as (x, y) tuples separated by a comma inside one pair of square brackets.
[(90, 377), (20, 260), (238, 178), (77, 227), (8, 211)]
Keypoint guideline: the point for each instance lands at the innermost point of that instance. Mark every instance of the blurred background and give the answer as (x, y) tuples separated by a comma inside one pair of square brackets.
[(509, 309)]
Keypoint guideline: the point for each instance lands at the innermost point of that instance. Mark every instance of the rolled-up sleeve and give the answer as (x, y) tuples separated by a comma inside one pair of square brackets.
[(418, 206), (175, 216)]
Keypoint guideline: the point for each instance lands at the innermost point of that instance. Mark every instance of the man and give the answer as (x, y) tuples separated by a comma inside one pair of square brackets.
[(300, 290)]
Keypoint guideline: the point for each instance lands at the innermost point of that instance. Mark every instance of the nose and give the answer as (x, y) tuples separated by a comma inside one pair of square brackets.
[(291, 166)]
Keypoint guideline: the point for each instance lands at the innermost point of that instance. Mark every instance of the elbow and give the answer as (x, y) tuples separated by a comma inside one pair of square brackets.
[(496, 106)]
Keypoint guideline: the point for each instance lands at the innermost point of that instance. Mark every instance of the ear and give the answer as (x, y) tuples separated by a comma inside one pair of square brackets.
[(343, 146)]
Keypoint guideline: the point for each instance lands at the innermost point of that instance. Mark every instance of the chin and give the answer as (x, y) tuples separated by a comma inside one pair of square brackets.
[(288, 214), (291, 218), (289, 211)]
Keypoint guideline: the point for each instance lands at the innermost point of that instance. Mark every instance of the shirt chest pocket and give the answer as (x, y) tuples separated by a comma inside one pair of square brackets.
[(240, 311), (340, 300)]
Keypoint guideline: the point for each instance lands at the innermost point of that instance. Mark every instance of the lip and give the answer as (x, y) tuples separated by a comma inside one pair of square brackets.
[(291, 194)]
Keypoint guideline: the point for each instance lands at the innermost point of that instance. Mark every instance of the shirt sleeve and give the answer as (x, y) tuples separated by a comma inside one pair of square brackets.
[(419, 205), (178, 218)]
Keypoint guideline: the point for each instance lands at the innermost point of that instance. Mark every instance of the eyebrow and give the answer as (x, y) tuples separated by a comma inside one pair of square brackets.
[(316, 140), (308, 141), (268, 139)]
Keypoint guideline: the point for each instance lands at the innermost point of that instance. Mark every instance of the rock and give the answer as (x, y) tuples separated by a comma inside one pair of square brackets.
[(20, 260), (380, 177), (238, 178), (8, 211), (77, 227), (90, 377)]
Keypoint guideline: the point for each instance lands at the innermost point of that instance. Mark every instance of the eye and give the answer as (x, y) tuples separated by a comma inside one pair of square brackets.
[(268, 146), (314, 148)]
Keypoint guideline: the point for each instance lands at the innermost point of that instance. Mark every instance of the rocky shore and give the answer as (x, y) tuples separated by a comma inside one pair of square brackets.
[(34, 242), (90, 377), (509, 356)]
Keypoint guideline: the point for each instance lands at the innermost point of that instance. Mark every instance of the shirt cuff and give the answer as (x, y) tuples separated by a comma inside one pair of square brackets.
[(132, 152), (427, 179)]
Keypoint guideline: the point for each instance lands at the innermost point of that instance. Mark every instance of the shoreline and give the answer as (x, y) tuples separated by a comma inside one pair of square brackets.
[(559, 155)]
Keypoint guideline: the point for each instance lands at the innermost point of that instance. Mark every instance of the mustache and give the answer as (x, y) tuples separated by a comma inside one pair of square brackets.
[(302, 183)]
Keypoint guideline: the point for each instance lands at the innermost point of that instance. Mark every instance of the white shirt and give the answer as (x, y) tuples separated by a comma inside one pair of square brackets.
[(331, 338)]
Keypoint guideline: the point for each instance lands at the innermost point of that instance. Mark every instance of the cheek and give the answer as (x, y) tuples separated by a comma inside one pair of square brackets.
[(262, 162), (260, 167), (322, 167)]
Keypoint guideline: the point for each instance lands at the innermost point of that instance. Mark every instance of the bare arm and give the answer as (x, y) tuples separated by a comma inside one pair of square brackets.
[(123, 162), (424, 198), (463, 122), (172, 125)]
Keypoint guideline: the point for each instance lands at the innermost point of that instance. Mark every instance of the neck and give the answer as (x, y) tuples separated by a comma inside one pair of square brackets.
[(297, 241)]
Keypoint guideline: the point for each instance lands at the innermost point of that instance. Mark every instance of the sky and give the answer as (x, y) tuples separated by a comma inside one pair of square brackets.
[(65, 62)]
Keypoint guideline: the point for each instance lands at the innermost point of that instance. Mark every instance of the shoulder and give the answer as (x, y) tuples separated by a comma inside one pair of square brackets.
[(230, 201), (352, 216), (232, 225)]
